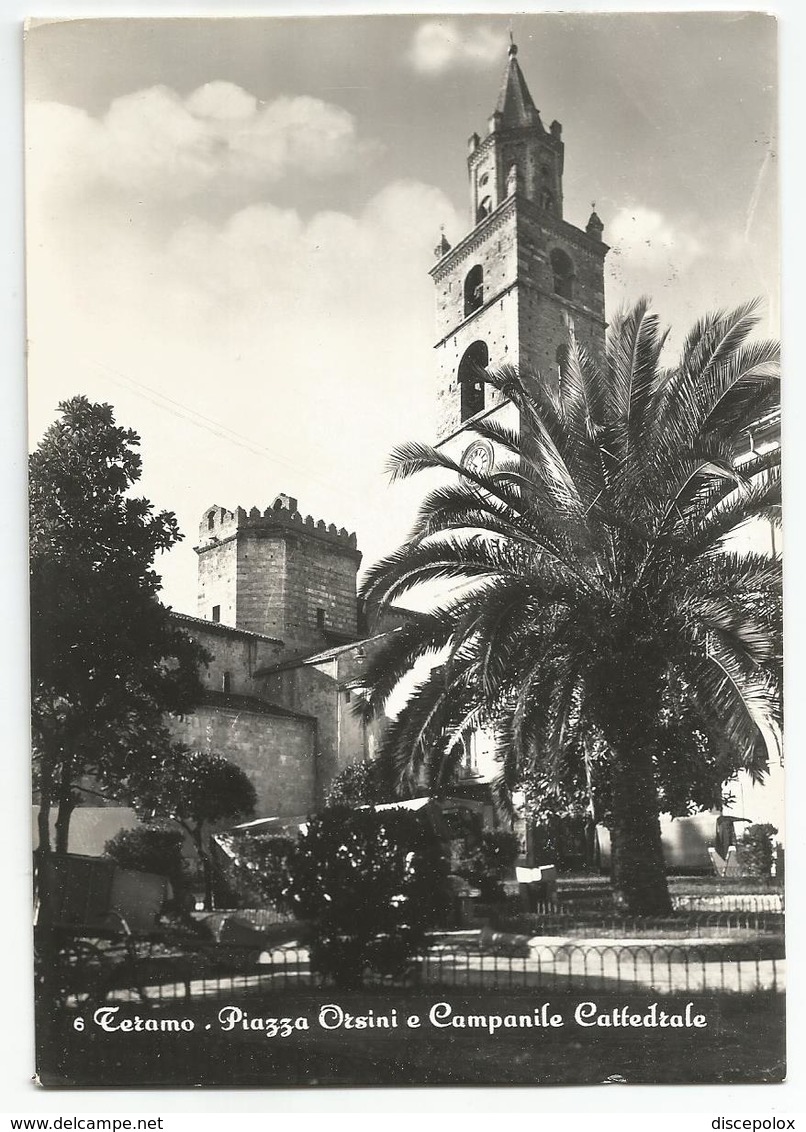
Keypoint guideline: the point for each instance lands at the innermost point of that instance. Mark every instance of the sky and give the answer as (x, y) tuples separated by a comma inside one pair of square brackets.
[(230, 225)]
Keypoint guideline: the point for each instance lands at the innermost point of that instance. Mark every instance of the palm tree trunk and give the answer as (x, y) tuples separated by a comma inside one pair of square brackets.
[(639, 874)]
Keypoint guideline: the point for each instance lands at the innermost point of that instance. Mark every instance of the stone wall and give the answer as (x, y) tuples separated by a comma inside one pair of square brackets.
[(279, 574), (543, 315), (277, 752), (537, 155), (493, 246), (217, 573), (235, 655), (357, 741), (320, 688), (262, 583), (521, 320), (319, 576), (304, 688)]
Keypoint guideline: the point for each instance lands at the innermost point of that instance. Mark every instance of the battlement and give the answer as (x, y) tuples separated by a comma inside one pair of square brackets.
[(218, 524)]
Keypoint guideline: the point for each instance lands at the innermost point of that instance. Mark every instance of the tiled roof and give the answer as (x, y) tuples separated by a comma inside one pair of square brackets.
[(218, 627), (236, 702)]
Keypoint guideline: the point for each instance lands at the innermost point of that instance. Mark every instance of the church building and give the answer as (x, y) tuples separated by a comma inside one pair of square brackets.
[(277, 606), (277, 593), (277, 603), (279, 616)]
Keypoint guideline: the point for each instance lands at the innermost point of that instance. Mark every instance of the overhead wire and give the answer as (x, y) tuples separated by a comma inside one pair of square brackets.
[(185, 412)]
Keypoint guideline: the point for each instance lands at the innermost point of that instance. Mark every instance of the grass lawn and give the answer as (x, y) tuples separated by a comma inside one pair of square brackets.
[(742, 1042)]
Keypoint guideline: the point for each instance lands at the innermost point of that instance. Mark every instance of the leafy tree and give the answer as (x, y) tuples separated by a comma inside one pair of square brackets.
[(107, 660), (371, 884), (194, 789), (147, 849), (565, 801), (590, 581), (362, 784)]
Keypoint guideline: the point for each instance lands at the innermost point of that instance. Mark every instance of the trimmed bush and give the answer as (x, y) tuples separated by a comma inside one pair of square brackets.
[(755, 850), (147, 849)]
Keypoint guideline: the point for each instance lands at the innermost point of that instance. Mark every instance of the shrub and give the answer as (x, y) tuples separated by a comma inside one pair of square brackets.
[(371, 884), (258, 874), (486, 865), (147, 849), (755, 850), (362, 784)]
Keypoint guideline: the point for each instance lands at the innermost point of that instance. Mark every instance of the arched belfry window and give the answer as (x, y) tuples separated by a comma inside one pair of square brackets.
[(484, 209), (474, 289), (563, 272), (475, 359)]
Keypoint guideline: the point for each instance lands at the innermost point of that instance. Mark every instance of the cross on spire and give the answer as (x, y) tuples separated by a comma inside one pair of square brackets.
[(515, 105)]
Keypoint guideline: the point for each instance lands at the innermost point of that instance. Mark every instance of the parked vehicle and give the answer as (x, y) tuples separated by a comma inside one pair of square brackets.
[(685, 841)]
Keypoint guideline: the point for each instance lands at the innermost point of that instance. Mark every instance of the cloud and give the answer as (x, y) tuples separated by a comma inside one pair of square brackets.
[(676, 261), (646, 241), (442, 45), (308, 335), (161, 146), (357, 275)]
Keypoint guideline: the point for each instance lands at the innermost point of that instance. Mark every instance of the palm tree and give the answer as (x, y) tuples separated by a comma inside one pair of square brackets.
[(584, 583)]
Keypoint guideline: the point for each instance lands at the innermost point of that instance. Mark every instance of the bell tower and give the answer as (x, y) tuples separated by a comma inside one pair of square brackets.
[(507, 292)]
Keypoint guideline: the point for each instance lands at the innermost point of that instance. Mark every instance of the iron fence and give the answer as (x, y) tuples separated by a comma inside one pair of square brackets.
[(728, 904), (754, 903), (686, 923), (505, 964)]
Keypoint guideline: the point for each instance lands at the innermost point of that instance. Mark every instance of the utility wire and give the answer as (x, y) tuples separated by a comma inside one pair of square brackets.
[(193, 416)]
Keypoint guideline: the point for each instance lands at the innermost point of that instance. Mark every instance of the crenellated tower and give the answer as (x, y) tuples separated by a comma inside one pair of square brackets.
[(507, 291), (279, 574)]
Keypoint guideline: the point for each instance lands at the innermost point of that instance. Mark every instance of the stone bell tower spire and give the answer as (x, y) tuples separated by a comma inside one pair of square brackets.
[(507, 292), (518, 151)]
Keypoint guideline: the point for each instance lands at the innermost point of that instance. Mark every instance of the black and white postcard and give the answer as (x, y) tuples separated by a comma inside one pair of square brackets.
[(405, 545)]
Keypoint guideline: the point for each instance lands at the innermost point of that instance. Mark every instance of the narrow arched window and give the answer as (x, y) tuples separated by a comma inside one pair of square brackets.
[(563, 273), (474, 361), (484, 209), (547, 200), (474, 289)]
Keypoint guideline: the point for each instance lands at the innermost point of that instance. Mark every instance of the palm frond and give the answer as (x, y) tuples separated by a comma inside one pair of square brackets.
[(597, 545), (743, 706)]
